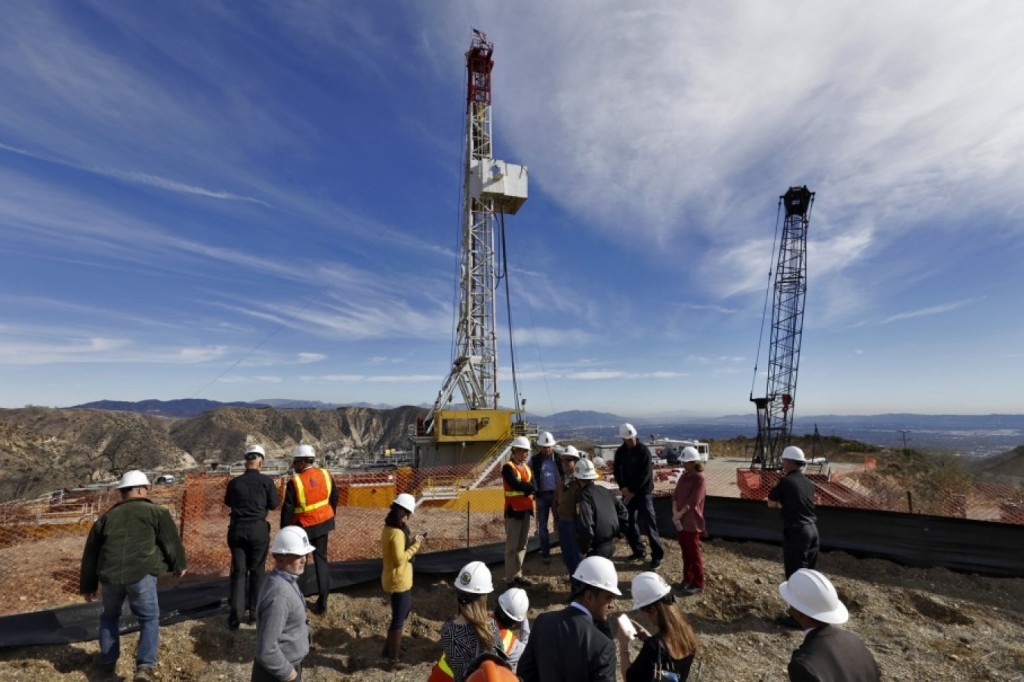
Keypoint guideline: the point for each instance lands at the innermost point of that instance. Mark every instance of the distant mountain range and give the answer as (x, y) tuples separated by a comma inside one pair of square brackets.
[(185, 407), (191, 407), (974, 435)]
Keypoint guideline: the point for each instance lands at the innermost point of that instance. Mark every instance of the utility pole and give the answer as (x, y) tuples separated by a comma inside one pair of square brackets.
[(904, 433)]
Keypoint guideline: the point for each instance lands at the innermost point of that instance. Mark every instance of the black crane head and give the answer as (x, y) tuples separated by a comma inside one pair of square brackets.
[(798, 200)]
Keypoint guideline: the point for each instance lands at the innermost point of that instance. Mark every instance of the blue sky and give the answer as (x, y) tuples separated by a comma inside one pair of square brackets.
[(236, 201)]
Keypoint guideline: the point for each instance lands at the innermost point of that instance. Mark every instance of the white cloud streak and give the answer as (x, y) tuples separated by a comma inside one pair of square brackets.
[(929, 311)]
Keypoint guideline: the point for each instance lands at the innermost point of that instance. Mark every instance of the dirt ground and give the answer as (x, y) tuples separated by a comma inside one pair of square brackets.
[(921, 624)]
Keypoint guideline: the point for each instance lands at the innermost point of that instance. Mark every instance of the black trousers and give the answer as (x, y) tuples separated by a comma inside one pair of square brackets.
[(248, 541), (799, 547), (320, 568), (642, 521), (605, 548)]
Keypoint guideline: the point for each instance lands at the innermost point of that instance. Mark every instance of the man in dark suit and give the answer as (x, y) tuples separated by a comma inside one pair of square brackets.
[(571, 645), (828, 653)]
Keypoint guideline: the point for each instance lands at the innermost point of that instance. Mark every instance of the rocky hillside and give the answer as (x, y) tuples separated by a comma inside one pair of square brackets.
[(43, 449), (221, 435)]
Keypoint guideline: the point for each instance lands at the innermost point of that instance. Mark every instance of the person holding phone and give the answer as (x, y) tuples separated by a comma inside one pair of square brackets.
[(667, 655), (397, 550)]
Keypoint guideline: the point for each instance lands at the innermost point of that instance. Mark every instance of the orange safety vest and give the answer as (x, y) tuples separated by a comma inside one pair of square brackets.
[(312, 497), (442, 672), (514, 499)]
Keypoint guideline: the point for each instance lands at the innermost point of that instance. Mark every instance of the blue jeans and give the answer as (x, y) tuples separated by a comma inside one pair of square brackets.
[(567, 541), (545, 500), (143, 602)]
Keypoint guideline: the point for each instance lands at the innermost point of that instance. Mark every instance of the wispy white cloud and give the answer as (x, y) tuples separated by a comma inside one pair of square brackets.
[(705, 361), (103, 350), (711, 307), (370, 378), (930, 310), (307, 358), (136, 177), (264, 379)]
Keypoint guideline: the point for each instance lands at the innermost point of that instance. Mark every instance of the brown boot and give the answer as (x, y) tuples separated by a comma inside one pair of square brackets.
[(394, 644)]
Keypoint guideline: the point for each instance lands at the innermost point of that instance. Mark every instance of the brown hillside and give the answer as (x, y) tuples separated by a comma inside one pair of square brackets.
[(220, 435), (45, 448), (42, 449)]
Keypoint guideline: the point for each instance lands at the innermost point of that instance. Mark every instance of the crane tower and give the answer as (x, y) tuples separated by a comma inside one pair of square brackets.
[(775, 409), (491, 189)]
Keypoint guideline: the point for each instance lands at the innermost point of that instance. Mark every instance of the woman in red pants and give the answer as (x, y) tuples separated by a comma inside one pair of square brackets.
[(688, 516)]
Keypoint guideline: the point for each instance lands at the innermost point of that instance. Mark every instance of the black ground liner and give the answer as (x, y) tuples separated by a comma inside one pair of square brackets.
[(963, 545)]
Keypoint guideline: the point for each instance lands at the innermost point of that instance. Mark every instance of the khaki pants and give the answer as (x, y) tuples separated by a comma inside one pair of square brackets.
[(517, 533)]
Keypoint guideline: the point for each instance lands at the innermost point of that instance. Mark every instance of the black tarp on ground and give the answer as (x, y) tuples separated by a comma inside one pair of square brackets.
[(981, 547), (80, 622)]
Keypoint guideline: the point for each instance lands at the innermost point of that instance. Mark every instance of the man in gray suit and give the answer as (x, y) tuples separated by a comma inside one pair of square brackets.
[(572, 645), (827, 652)]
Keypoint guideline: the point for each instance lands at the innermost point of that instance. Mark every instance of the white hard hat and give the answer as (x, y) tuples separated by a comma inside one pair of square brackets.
[(811, 593), (598, 462), (598, 572), (255, 449), (585, 470), (303, 452), (521, 443), (648, 587), (475, 578), (133, 479), (515, 603), (627, 431), (291, 540), (546, 440), (690, 454), (570, 451), (406, 502), (794, 453)]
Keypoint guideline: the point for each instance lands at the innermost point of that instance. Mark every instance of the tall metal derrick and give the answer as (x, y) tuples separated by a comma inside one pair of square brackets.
[(775, 410)]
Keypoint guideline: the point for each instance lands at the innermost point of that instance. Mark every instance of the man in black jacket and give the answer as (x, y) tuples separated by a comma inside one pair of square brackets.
[(250, 497), (634, 473), (794, 496), (827, 652), (127, 548), (599, 514), (571, 645)]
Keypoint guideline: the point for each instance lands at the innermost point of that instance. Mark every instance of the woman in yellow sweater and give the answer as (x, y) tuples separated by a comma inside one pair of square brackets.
[(397, 551)]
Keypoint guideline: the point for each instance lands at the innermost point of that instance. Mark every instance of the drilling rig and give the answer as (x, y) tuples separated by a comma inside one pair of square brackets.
[(775, 409), (479, 429)]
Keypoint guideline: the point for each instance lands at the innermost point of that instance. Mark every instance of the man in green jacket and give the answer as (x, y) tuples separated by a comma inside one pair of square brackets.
[(127, 548)]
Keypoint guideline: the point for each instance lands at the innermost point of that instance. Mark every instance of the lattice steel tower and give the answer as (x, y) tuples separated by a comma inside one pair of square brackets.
[(775, 410), (490, 188)]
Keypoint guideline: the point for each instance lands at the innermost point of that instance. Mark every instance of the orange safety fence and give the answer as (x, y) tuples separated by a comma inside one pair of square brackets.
[(41, 540)]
